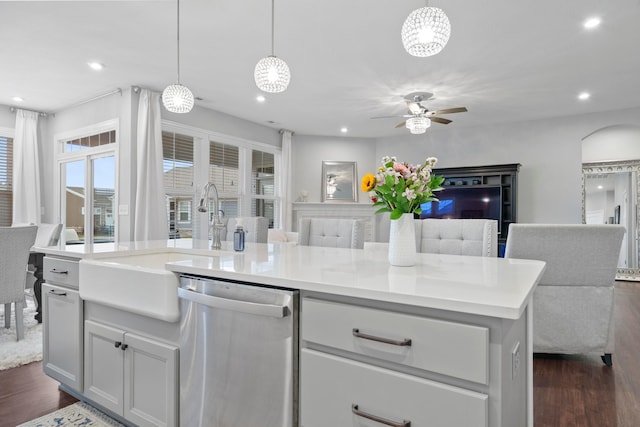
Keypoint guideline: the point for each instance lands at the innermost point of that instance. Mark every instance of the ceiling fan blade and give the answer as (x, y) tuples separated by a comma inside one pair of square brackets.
[(450, 110), (401, 125), (440, 120), (389, 117)]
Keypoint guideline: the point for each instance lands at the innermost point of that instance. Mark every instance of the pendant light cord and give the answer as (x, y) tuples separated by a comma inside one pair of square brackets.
[(273, 13), (178, 38)]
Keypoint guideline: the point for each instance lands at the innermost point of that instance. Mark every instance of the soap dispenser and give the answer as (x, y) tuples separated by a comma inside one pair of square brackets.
[(238, 239)]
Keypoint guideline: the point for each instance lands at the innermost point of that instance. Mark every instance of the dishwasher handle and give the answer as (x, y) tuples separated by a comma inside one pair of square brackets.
[(248, 307)]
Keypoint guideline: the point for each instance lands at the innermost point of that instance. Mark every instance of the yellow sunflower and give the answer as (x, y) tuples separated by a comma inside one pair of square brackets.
[(368, 182)]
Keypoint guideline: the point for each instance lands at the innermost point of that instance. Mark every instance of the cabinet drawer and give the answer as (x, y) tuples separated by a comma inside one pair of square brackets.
[(331, 385), (61, 271), (445, 347)]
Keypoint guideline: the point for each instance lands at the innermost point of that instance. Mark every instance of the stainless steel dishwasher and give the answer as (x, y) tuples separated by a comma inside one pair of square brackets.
[(238, 354)]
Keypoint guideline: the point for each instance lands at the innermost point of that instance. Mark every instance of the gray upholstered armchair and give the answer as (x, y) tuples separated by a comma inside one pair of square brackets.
[(331, 232), (256, 228), (573, 304), (478, 237)]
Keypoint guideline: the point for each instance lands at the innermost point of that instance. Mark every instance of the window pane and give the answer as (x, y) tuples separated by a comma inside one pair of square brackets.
[(6, 181), (74, 198), (90, 141), (177, 153), (180, 217), (266, 208), (104, 184), (223, 167), (262, 169)]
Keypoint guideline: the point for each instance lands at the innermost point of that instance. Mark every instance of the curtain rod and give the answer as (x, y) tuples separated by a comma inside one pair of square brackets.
[(118, 90), (40, 113)]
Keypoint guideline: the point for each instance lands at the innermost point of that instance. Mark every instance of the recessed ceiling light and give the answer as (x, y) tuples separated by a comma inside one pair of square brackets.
[(344, 129), (584, 96), (260, 98), (17, 99), (591, 23), (95, 66), (600, 187)]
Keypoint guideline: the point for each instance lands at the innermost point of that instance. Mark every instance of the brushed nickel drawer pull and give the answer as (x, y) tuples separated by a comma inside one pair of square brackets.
[(404, 343), (53, 270), (358, 412)]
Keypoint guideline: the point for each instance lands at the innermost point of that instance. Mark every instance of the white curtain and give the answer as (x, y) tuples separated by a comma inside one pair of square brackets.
[(150, 221), (26, 169), (285, 189)]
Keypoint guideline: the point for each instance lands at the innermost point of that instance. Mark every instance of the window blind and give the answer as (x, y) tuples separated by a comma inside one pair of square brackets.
[(177, 154), (6, 181), (224, 167)]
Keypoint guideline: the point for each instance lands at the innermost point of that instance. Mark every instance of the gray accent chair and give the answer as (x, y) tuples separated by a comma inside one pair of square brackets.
[(573, 303), (331, 232), (477, 237), (15, 245), (256, 228)]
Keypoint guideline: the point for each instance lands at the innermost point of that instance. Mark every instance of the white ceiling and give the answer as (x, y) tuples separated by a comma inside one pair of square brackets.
[(506, 60)]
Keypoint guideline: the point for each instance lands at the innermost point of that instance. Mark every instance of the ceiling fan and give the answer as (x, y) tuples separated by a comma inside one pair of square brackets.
[(419, 117)]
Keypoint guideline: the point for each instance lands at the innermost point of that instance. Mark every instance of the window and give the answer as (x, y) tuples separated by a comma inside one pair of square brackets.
[(243, 176), (263, 201), (177, 155), (87, 175), (6, 181)]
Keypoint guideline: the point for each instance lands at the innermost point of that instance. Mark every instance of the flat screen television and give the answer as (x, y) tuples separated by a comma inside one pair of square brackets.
[(465, 202)]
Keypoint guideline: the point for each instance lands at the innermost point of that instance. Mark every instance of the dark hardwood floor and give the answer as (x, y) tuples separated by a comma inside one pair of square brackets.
[(580, 391), (27, 393), (569, 391)]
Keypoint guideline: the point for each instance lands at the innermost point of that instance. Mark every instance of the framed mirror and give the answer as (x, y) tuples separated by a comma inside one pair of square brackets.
[(610, 196), (339, 181)]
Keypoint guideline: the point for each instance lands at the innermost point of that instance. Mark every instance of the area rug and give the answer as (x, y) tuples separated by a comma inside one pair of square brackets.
[(15, 353), (78, 414)]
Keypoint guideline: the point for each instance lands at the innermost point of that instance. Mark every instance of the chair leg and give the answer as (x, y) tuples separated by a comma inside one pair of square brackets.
[(7, 316), (19, 320), (607, 359)]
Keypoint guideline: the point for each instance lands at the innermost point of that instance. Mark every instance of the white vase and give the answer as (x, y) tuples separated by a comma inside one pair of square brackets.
[(402, 241)]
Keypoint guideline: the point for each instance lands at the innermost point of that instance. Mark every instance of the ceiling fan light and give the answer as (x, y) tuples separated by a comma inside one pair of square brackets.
[(426, 31), (418, 125), (272, 74), (177, 98)]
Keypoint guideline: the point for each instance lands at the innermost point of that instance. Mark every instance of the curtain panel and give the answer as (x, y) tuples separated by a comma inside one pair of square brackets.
[(150, 218), (26, 169)]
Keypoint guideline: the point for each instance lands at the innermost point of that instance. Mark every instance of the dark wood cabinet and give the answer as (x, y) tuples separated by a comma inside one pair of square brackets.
[(502, 177)]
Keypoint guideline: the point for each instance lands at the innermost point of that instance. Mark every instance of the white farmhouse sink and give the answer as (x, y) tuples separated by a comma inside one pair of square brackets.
[(136, 283)]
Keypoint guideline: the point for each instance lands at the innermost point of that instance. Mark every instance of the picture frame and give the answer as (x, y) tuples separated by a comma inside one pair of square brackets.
[(338, 183)]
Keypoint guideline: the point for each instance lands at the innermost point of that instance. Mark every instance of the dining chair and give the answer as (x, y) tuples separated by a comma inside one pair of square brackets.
[(573, 305), (15, 245), (255, 228), (331, 232), (476, 237), (48, 235)]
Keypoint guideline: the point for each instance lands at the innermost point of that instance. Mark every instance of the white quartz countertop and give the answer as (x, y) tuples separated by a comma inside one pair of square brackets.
[(478, 285)]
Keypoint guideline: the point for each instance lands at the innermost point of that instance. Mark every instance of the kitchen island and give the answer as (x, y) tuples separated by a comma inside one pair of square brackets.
[(447, 340)]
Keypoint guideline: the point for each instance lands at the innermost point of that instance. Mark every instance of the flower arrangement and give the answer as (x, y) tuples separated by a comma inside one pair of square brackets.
[(401, 188)]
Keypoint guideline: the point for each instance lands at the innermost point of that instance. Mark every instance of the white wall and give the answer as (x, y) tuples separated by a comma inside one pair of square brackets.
[(612, 143), (549, 182), (309, 152)]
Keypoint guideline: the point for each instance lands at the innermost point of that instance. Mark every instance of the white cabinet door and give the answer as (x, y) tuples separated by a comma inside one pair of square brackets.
[(151, 382), (335, 391), (104, 365), (62, 337)]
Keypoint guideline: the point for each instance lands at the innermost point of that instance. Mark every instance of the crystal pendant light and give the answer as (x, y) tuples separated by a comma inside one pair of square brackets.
[(272, 73), (418, 125), (426, 31), (177, 98)]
